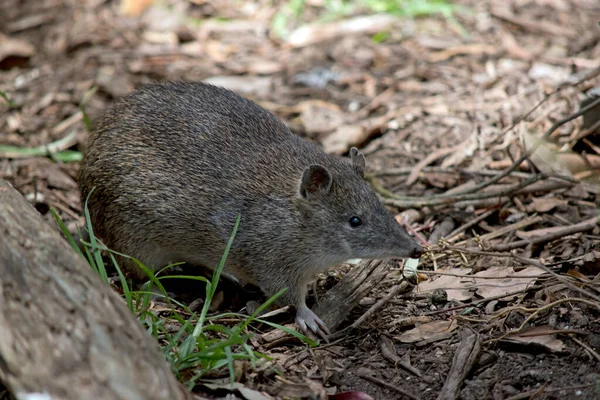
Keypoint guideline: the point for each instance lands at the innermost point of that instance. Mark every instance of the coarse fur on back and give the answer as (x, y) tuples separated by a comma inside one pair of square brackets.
[(173, 164)]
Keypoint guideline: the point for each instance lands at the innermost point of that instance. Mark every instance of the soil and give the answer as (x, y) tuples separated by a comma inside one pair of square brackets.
[(438, 97)]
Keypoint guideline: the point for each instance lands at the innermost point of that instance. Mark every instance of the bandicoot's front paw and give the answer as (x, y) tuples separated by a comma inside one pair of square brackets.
[(308, 321)]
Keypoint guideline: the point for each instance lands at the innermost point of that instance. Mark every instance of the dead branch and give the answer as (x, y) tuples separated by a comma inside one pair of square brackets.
[(402, 287), (465, 357), (415, 202), (583, 226), (337, 303)]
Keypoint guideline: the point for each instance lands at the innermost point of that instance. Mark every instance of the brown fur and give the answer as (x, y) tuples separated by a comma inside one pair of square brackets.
[(174, 163)]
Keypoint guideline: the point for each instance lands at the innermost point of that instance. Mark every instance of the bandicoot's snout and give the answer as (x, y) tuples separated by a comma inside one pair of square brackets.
[(417, 251)]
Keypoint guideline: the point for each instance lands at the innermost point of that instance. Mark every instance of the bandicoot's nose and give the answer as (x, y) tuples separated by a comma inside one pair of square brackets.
[(417, 251)]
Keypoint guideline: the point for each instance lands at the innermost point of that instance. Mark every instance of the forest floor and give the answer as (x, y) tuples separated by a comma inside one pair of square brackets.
[(436, 104)]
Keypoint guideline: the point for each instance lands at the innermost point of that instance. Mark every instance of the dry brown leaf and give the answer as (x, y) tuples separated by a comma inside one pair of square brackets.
[(546, 204), (13, 47), (218, 51), (132, 8), (508, 280), (264, 67), (577, 274), (576, 163), (463, 49), (441, 180), (457, 288), (343, 138), (428, 331), (319, 116), (545, 155), (161, 37), (540, 335), (259, 86)]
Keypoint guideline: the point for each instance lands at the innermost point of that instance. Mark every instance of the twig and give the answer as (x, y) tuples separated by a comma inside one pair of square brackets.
[(410, 202), (570, 230), (369, 313), (414, 174), (471, 223), (561, 278), (388, 351), (388, 385), (476, 302), (532, 393), (465, 357), (536, 311), (534, 219), (481, 277), (585, 346)]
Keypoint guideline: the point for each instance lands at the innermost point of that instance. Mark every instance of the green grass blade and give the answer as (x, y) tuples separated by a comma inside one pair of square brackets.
[(86, 97), (212, 287), (66, 232), (94, 242)]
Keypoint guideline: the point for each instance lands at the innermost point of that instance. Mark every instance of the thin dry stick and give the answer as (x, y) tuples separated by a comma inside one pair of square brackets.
[(529, 395), (471, 223), (537, 311), (388, 385), (414, 174), (409, 202), (392, 293), (570, 230), (482, 277), (585, 346), (476, 302), (561, 278)]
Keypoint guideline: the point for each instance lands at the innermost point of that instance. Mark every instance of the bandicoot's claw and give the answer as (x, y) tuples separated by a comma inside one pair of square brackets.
[(308, 321)]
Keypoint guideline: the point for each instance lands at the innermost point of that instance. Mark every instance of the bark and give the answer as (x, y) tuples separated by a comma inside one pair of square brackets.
[(337, 303), (63, 331)]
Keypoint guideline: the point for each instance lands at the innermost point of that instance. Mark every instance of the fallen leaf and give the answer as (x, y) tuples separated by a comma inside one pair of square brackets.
[(161, 37), (428, 331), (577, 163), (14, 51), (320, 117), (508, 280), (577, 274), (343, 138), (247, 85), (263, 67), (544, 157), (457, 288), (549, 73), (441, 180), (546, 204), (132, 8), (540, 335)]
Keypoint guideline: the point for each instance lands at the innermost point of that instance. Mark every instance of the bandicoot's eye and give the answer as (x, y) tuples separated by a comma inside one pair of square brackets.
[(355, 222)]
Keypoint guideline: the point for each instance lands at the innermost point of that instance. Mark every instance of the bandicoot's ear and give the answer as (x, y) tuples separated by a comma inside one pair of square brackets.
[(316, 179), (358, 161)]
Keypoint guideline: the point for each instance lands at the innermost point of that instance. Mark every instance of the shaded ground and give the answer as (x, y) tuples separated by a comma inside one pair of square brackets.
[(433, 103)]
